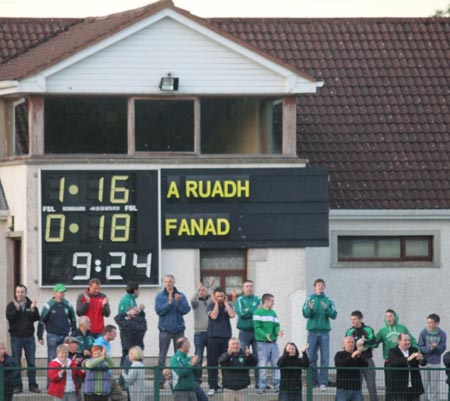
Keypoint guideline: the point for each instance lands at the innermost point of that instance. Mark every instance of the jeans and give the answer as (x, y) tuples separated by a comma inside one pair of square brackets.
[(431, 382), (53, 340), (295, 395), (200, 343), (247, 338), (268, 352), (165, 337), (348, 395), (370, 377), (319, 340), (28, 344)]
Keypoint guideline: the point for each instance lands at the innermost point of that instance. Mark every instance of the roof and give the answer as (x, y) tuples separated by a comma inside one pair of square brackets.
[(65, 37), (380, 124)]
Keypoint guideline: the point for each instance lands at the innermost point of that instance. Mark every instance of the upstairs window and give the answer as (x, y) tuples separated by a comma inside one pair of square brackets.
[(75, 124), (241, 126), (18, 139), (164, 125)]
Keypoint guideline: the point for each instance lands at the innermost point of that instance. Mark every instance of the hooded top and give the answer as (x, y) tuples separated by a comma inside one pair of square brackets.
[(388, 335)]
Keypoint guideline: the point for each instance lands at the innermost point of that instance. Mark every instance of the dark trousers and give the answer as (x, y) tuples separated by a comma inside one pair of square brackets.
[(216, 347), (247, 339), (200, 342), (388, 384), (27, 344)]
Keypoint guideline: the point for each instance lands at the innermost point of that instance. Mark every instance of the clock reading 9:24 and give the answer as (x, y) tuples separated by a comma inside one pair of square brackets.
[(107, 219)]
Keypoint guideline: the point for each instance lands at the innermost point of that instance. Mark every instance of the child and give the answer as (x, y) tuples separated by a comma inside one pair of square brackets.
[(135, 378), (63, 382), (7, 362), (97, 381), (291, 379)]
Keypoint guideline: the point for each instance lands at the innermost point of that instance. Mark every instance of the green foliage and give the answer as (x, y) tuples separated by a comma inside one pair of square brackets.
[(442, 13)]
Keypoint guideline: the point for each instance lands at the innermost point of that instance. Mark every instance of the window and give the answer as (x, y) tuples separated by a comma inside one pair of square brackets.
[(224, 268), (385, 248), (241, 126), (128, 125), (164, 125), (18, 128), (75, 124)]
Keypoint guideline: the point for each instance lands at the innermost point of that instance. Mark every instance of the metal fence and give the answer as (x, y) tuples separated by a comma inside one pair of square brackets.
[(434, 381)]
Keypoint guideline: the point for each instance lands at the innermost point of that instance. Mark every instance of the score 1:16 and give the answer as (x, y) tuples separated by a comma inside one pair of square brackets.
[(117, 194)]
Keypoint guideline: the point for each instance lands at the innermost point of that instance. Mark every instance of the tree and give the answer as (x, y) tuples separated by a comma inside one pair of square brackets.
[(442, 13)]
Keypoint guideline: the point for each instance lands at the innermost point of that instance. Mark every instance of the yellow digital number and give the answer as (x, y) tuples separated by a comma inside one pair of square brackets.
[(120, 230), (118, 194), (48, 225), (62, 184)]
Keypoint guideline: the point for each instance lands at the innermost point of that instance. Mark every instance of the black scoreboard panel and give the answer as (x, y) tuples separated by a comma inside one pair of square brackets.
[(102, 224)]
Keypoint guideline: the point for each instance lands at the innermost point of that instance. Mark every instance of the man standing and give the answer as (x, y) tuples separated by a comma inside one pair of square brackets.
[(245, 305), (219, 332), (21, 313), (133, 326), (432, 344), (59, 320), (95, 305), (388, 335), (366, 336), (199, 303), (348, 381), (128, 301), (267, 331), (319, 309), (235, 380), (170, 305), (406, 382), (182, 372)]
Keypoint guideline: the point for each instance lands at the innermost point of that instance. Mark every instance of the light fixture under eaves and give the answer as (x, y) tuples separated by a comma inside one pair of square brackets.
[(169, 83)]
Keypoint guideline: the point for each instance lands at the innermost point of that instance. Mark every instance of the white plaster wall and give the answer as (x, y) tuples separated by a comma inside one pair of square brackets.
[(281, 272), (413, 292)]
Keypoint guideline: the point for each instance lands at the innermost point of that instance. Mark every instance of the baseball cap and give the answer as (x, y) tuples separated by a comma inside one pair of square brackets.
[(59, 288), (70, 340)]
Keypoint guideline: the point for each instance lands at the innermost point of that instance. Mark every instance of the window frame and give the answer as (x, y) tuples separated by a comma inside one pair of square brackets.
[(10, 150), (37, 135), (223, 273), (433, 260)]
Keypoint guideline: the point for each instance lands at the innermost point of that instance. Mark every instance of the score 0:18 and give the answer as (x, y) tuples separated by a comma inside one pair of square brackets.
[(120, 227)]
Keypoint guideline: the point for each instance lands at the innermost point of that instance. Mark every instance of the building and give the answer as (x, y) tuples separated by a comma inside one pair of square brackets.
[(366, 99)]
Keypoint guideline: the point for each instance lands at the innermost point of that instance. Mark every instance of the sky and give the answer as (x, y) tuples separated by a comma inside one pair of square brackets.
[(230, 8)]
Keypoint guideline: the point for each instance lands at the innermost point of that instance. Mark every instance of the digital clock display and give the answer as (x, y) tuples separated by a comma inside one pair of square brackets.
[(102, 224)]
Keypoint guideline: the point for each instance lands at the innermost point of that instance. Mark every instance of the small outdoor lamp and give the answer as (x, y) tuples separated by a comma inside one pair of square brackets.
[(169, 83)]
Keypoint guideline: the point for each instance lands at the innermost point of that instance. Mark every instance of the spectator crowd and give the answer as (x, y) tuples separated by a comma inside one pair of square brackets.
[(79, 347)]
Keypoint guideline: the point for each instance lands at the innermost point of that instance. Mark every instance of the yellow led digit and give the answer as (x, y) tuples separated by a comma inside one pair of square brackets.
[(118, 194), (120, 230), (62, 184), (101, 228), (48, 226), (101, 181)]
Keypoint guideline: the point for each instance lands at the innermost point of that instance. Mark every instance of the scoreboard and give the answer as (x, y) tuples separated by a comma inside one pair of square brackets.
[(102, 224)]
